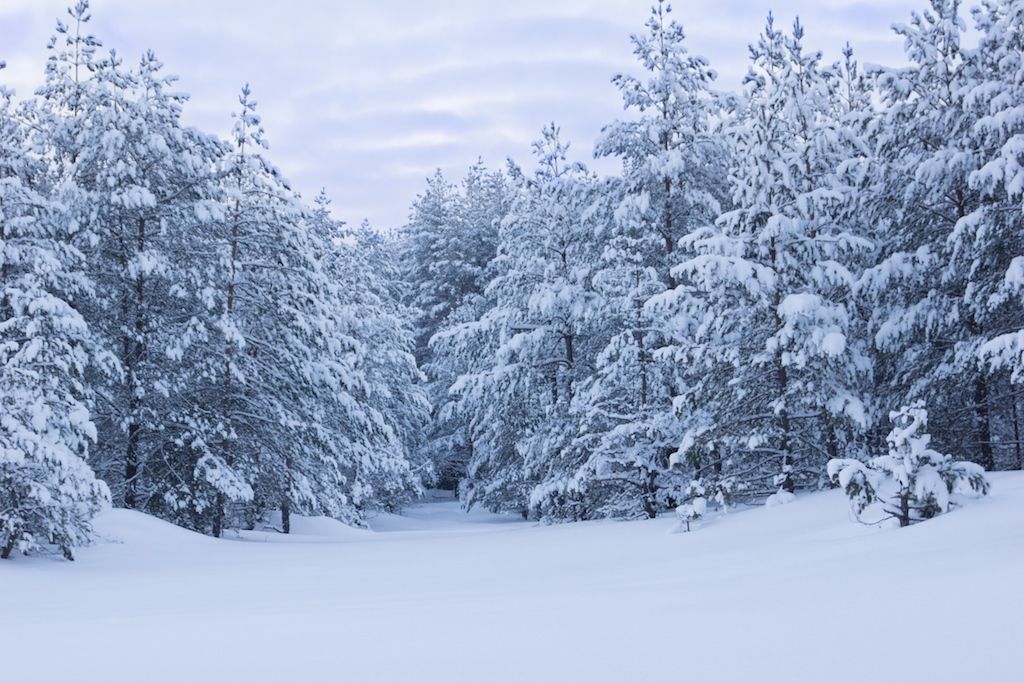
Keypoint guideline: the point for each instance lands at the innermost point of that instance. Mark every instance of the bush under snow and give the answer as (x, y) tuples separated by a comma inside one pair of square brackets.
[(913, 482)]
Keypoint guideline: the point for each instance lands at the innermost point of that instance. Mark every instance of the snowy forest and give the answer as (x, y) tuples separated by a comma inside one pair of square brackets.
[(782, 289)]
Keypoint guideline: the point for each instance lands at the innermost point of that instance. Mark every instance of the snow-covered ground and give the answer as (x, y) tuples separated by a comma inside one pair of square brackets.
[(793, 593)]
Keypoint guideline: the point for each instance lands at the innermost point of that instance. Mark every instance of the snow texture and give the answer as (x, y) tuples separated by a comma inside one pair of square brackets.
[(438, 595)]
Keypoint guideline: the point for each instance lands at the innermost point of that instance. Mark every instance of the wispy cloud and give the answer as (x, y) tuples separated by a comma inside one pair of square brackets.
[(366, 99)]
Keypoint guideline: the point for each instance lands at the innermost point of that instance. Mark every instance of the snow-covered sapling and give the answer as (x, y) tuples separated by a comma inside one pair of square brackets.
[(691, 512), (913, 482)]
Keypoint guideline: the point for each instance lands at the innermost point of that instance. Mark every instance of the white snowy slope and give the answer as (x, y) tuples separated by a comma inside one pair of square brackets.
[(792, 593)]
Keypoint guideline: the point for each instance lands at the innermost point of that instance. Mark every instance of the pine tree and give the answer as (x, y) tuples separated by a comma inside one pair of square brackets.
[(276, 445), (147, 203), (766, 310), (987, 242), (48, 495), (535, 341), (921, 289), (673, 180), (362, 272), (913, 482), (292, 399), (448, 246)]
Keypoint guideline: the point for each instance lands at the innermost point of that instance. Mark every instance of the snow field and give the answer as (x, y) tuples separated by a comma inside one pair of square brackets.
[(791, 593)]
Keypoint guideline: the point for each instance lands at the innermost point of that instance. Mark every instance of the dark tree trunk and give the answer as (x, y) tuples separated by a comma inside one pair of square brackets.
[(782, 387), (133, 351), (131, 465), (649, 483), (638, 336), (286, 516), (1016, 431), (570, 360), (904, 509), (218, 516), (983, 424), (670, 244), (229, 351), (832, 444), (4, 271), (787, 456)]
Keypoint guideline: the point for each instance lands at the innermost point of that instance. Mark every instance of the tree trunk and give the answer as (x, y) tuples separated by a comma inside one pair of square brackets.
[(638, 336), (570, 360), (134, 351), (131, 464), (832, 438), (905, 509), (787, 456), (781, 387), (668, 234), (648, 477), (218, 516), (5, 552), (1016, 431), (983, 424), (286, 516), (5, 269)]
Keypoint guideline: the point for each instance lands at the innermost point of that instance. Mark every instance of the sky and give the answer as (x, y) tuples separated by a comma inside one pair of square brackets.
[(366, 98)]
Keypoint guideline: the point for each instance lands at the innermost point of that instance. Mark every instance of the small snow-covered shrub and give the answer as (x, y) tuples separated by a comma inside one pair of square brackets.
[(701, 492), (719, 492), (913, 482), (557, 501), (691, 512)]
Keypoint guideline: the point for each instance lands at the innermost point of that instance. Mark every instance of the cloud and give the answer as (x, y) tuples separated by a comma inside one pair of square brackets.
[(367, 99)]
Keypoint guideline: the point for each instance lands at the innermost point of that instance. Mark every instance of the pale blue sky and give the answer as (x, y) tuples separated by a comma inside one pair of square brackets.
[(367, 98)]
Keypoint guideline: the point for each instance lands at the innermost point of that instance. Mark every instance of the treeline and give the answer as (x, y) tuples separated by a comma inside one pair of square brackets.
[(771, 275), (179, 332)]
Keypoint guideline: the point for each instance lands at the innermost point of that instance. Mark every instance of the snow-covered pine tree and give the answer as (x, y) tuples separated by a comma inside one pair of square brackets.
[(290, 416), (158, 193), (554, 221), (447, 247), (397, 388), (48, 494), (777, 368), (138, 181), (988, 242), (275, 373), (930, 319), (362, 274), (913, 482), (427, 240), (149, 187), (673, 181), (480, 402), (540, 340)]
